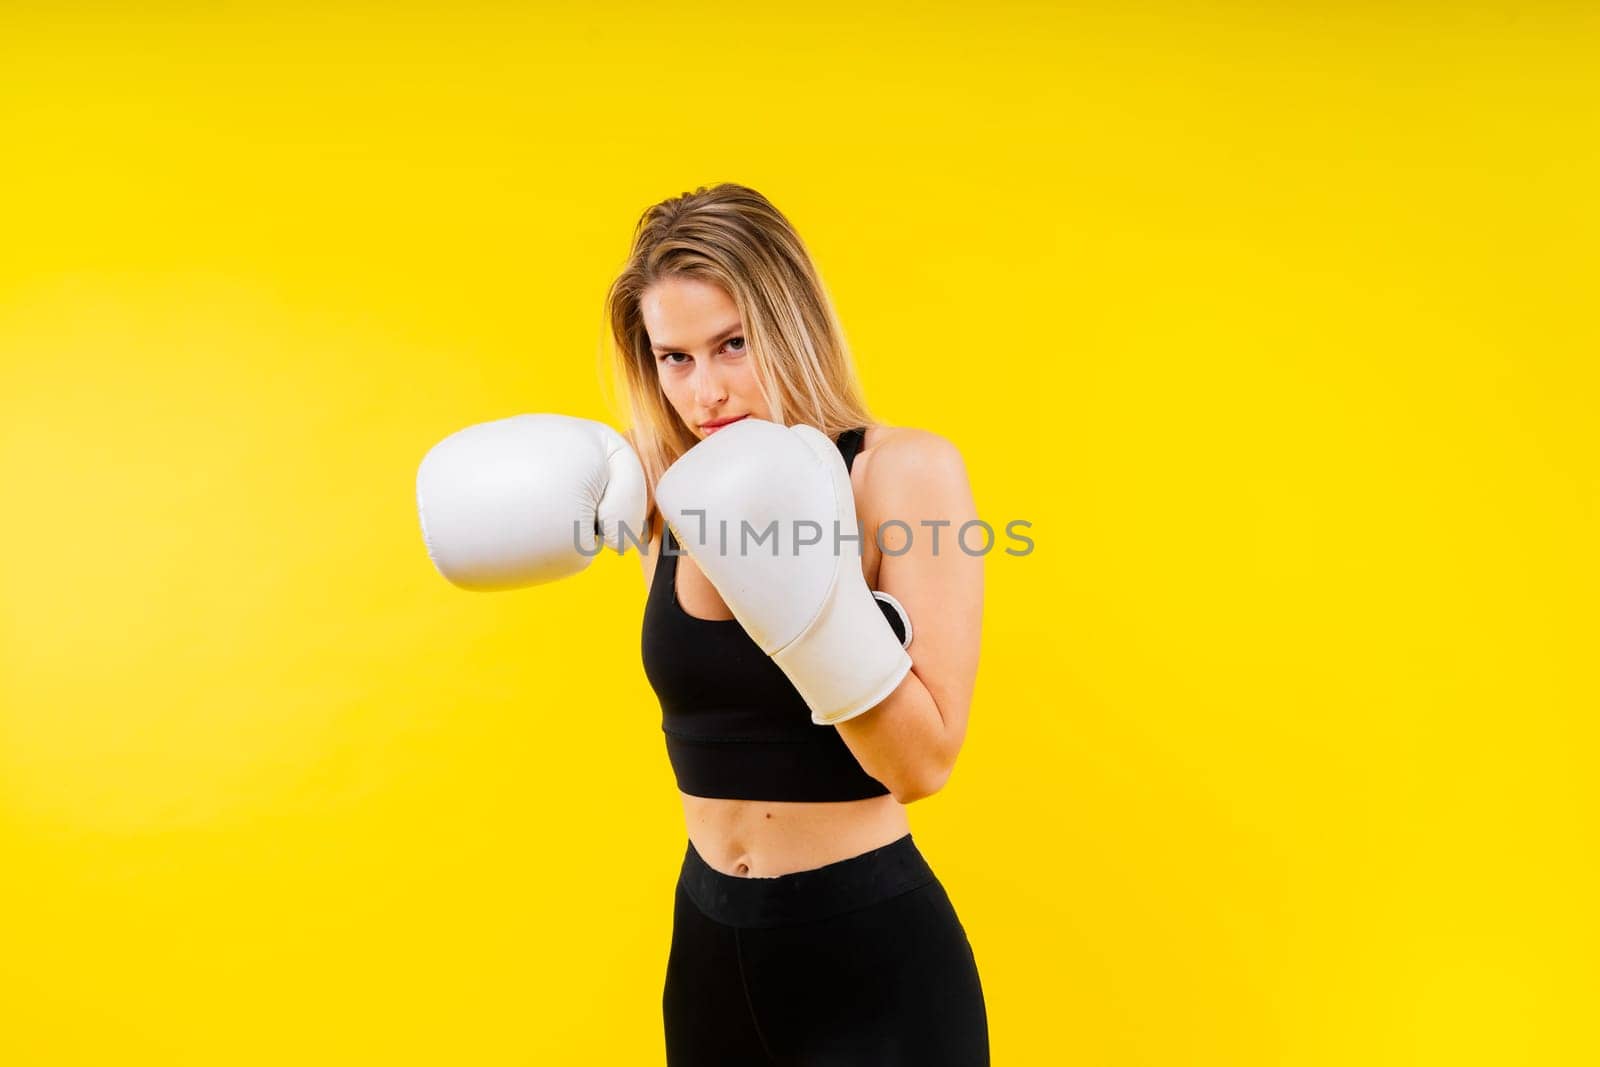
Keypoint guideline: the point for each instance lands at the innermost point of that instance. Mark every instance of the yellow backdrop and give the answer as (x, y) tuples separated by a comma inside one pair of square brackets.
[(1276, 321)]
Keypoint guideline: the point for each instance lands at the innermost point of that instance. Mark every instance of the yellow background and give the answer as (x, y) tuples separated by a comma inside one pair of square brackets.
[(1277, 321)]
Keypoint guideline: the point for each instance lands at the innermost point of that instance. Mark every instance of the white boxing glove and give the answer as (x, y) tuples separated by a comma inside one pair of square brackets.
[(528, 499), (806, 605)]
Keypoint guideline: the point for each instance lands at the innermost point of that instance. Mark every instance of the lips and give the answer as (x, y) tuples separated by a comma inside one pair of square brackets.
[(711, 427)]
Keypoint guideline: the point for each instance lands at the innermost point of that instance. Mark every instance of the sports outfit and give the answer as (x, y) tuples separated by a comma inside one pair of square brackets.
[(862, 961)]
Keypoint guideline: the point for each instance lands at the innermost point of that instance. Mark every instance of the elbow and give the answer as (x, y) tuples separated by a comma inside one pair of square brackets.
[(921, 786)]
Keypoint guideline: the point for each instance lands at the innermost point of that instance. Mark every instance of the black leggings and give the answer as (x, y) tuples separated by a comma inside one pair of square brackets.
[(859, 962)]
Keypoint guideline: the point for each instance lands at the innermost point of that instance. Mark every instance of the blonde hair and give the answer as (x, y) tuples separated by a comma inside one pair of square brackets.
[(732, 236)]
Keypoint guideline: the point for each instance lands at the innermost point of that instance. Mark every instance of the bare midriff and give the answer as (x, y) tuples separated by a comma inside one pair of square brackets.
[(765, 838)]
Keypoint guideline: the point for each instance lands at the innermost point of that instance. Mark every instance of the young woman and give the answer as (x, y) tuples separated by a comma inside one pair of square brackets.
[(808, 929), (802, 710)]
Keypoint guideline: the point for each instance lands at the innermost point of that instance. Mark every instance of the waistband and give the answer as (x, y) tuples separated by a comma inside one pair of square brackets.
[(805, 896)]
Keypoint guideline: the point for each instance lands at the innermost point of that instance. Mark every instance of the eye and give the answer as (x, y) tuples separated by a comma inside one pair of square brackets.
[(741, 347), (666, 357)]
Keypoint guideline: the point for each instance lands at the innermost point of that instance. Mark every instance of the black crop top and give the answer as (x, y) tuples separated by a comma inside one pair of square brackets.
[(735, 725)]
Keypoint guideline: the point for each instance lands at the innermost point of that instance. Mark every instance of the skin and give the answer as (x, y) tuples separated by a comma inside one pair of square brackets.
[(910, 741)]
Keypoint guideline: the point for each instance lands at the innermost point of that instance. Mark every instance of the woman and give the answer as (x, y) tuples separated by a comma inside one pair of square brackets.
[(802, 711), (807, 929)]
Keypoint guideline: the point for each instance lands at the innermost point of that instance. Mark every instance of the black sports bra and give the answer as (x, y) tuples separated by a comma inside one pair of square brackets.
[(735, 725)]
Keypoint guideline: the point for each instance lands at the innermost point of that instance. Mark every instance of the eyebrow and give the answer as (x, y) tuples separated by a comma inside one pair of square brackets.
[(723, 336)]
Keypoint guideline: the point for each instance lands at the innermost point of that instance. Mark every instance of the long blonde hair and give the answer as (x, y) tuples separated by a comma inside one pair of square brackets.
[(732, 236)]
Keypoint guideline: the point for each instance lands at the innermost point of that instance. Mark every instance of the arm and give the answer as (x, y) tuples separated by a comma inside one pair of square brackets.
[(910, 741)]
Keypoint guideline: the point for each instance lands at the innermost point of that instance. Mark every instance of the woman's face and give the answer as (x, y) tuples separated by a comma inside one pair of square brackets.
[(702, 358)]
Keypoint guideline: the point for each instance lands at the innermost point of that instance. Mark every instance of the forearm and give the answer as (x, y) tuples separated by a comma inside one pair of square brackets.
[(904, 742)]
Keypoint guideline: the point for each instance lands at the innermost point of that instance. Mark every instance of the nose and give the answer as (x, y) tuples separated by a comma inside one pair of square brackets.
[(709, 390)]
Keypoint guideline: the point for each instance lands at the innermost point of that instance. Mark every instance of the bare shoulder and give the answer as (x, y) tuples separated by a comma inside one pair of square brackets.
[(910, 476), (906, 458)]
